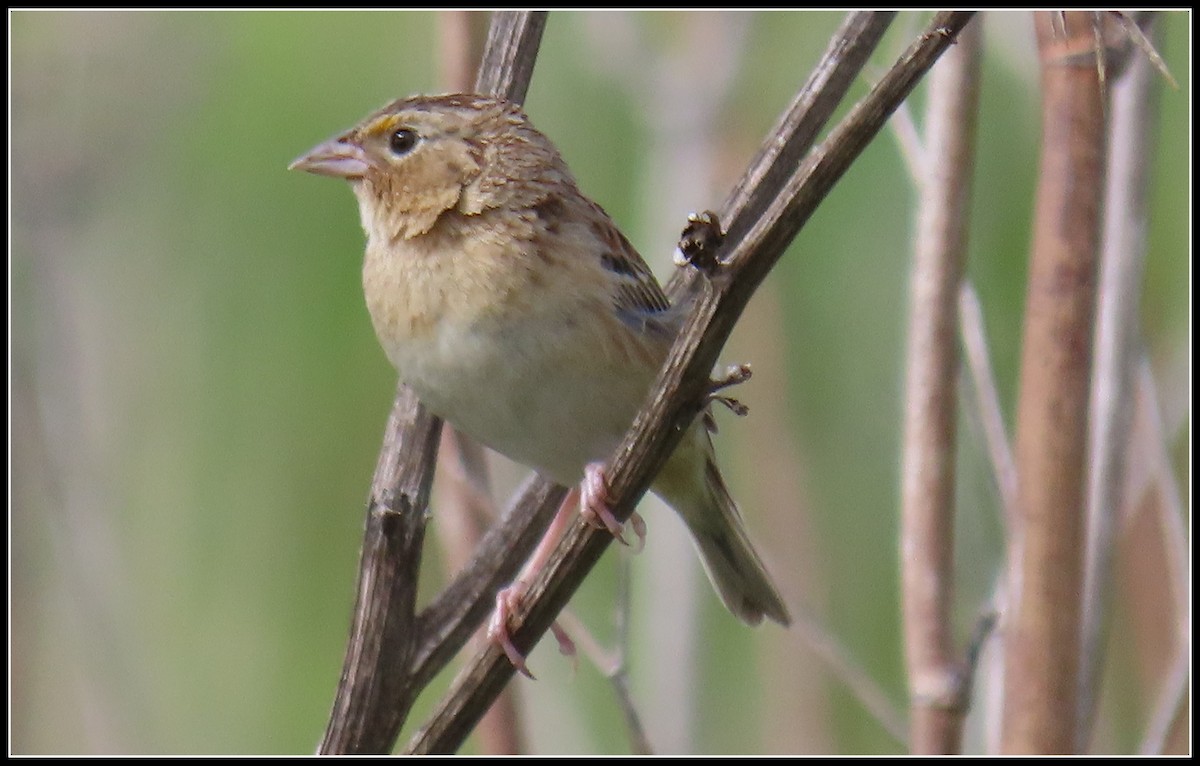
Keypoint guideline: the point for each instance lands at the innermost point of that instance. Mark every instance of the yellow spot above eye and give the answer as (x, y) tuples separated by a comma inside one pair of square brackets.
[(383, 125)]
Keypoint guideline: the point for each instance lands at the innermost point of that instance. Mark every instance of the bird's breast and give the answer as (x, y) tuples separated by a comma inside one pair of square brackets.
[(539, 374)]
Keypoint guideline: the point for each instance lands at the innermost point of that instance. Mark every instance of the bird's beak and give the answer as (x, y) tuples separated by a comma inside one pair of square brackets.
[(337, 157)]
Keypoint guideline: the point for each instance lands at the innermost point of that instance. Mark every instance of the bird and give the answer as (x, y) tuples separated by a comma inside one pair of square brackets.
[(516, 310)]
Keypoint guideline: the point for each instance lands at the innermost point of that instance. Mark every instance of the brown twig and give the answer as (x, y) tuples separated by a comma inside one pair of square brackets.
[(612, 664), (772, 210), (930, 423), (368, 709), (618, 674), (458, 50), (1042, 626), (1116, 348)]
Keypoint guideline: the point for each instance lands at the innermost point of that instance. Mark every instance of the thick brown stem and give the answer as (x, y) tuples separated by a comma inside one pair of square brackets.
[(1042, 628)]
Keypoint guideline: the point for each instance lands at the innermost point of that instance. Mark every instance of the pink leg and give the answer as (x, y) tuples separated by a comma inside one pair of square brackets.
[(508, 598), (592, 496)]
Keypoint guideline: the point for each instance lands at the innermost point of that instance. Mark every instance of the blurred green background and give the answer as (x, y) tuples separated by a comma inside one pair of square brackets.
[(197, 395)]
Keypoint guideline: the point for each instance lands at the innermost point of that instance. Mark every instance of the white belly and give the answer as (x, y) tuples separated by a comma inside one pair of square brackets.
[(538, 396)]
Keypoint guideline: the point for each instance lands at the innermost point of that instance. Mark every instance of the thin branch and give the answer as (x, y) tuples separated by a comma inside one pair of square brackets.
[(987, 402), (860, 684), (930, 423), (1116, 348), (908, 138), (985, 624), (456, 51), (973, 336), (1133, 25), (974, 340), (781, 205), (619, 676), (1169, 704), (1042, 628), (1004, 474), (613, 664), (683, 146)]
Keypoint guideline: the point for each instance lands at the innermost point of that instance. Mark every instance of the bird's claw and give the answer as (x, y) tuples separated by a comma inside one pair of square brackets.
[(594, 508), (733, 375), (497, 631)]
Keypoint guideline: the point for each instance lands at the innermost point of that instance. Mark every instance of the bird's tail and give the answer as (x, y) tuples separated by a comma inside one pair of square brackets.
[(729, 558)]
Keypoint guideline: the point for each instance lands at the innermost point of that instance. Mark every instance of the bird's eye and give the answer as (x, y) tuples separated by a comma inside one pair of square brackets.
[(402, 141)]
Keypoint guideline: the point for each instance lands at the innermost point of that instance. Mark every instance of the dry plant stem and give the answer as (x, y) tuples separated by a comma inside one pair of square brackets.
[(468, 484), (987, 402), (392, 652), (769, 224), (974, 341), (682, 151), (612, 664), (927, 480), (1043, 627), (1169, 706), (368, 710), (1004, 473), (1116, 347), (619, 674), (865, 689)]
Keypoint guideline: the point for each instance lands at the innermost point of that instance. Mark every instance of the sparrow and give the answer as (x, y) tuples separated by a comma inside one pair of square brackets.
[(517, 311)]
